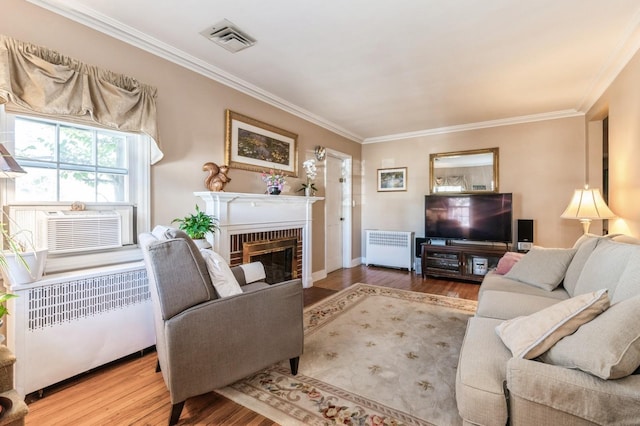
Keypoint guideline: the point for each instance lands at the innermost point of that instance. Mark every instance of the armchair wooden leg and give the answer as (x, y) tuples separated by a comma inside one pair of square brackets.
[(176, 409), (158, 367), (294, 362)]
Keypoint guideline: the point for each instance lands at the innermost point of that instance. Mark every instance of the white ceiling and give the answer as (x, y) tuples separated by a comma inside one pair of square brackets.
[(375, 70)]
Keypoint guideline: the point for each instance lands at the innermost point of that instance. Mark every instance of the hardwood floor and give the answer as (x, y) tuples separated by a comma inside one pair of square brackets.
[(129, 392)]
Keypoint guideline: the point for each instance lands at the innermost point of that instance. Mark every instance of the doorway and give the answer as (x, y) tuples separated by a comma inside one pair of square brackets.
[(337, 211)]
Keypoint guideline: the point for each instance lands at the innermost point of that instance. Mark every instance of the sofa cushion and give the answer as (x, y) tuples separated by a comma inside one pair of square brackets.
[(222, 278), (629, 283), (506, 305), (607, 347), (621, 238), (542, 267), (481, 374), (605, 266), (494, 281), (584, 247), (530, 336)]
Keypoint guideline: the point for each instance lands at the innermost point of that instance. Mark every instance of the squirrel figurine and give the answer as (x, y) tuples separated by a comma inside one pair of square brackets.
[(217, 178)]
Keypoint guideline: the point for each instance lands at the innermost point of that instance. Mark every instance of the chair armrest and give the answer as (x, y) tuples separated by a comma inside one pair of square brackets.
[(261, 327), (248, 273), (569, 394)]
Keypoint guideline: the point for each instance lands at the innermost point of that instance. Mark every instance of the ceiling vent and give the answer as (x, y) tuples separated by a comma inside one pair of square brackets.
[(227, 35)]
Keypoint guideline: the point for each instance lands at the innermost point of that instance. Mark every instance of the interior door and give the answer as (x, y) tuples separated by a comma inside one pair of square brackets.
[(334, 213)]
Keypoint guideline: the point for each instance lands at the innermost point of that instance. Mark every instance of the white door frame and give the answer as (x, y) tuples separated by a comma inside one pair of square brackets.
[(347, 208)]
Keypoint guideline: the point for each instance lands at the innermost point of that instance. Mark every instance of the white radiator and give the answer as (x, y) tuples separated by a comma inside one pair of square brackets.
[(67, 324), (390, 248)]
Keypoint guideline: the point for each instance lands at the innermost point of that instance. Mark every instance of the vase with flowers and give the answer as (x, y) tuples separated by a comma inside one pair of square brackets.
[(274, 180), (310, 170)]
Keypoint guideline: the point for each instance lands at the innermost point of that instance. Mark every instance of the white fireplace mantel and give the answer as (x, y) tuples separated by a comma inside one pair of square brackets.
[(240, 213)]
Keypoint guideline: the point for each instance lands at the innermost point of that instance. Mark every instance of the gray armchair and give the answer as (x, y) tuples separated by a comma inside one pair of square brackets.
[(205, 342)]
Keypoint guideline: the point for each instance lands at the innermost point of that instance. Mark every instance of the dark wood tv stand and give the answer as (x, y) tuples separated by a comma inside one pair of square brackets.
[(460, 261)]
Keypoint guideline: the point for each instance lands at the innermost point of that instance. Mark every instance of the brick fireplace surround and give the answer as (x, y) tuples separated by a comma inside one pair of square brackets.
[(258, 217)]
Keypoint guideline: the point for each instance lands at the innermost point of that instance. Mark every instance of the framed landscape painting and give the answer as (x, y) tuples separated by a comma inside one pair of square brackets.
[(392, 179), (253, 145)]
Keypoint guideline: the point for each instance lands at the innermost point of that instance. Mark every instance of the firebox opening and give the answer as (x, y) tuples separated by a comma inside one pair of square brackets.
[(277, 256), (277, 265)]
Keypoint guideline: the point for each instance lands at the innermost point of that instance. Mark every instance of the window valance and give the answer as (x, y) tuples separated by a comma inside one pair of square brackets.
[(40, 80)]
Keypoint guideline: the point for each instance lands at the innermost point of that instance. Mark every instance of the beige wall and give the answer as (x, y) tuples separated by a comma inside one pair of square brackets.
[(541, 163), (190, 114), (621, 102)]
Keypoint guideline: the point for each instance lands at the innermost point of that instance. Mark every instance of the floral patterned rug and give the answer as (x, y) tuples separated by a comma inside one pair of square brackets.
[(372, 356)]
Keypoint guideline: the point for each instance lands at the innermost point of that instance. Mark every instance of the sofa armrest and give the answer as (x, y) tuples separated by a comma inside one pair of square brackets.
[(547, 394), (203, 343)]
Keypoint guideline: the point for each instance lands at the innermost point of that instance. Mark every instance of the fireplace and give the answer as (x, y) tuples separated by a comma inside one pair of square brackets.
[(251, 220), (279, 258), (280, 251)]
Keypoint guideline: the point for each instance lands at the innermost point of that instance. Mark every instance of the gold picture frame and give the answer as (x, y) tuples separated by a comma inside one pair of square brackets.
[(392, 179), (253, 145)]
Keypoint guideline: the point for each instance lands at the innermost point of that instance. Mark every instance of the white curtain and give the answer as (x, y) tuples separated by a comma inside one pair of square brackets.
[(452, 181)]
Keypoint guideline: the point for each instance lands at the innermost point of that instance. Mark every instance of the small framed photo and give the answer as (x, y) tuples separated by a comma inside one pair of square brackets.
[(253, 145), (392, 179)]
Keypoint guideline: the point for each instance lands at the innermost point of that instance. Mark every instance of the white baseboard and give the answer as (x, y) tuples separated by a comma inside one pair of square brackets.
[(318, 275)]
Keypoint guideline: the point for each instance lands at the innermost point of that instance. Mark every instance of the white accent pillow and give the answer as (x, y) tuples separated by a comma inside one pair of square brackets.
[(222, 278), (542, 267), (530, 336)]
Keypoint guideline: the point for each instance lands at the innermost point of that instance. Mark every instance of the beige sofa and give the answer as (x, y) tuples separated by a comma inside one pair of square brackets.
[(564, 386)]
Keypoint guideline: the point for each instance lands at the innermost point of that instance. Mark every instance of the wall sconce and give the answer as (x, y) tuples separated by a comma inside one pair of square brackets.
[(320, 152)]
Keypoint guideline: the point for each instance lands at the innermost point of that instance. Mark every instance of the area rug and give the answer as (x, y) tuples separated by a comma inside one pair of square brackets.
[(372, 356)]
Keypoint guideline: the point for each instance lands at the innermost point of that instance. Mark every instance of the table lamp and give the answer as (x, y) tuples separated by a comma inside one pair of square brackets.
[(587, 205)]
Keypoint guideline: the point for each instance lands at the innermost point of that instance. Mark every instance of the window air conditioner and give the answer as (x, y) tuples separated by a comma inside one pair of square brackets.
[(74, 231)]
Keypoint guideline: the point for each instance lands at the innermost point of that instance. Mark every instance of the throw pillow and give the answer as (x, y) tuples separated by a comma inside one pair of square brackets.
[(584, 247), (607, 347), (507, 261), (530, 336), (221, 275), (542, 267), (605, 266)]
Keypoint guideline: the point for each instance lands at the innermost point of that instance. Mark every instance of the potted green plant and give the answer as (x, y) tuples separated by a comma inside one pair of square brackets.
[(198, 225), (3, 309)]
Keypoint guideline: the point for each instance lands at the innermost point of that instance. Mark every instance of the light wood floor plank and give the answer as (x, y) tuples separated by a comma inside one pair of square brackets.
[(130, 392)]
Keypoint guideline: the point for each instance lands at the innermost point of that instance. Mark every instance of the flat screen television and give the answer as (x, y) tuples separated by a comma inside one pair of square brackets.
[(473, 217)]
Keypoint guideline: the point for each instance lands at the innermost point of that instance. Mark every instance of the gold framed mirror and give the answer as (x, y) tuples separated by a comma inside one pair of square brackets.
[(464, 171)]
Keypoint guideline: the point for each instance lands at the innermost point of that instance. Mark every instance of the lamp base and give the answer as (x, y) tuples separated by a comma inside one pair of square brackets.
[(585, 225)]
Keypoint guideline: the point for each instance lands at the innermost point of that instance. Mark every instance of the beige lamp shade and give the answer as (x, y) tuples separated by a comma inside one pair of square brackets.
[(9, 167), (587, 205)]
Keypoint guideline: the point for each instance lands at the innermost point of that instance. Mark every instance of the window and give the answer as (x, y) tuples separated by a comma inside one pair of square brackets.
[(68, 162)]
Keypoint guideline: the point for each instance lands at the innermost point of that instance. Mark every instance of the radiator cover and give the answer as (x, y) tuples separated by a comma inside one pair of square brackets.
[(70, 323), (390, 248)]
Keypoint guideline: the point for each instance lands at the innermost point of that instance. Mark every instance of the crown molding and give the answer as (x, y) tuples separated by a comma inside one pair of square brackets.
[(474, 126), (99, 22), (615, 63)]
